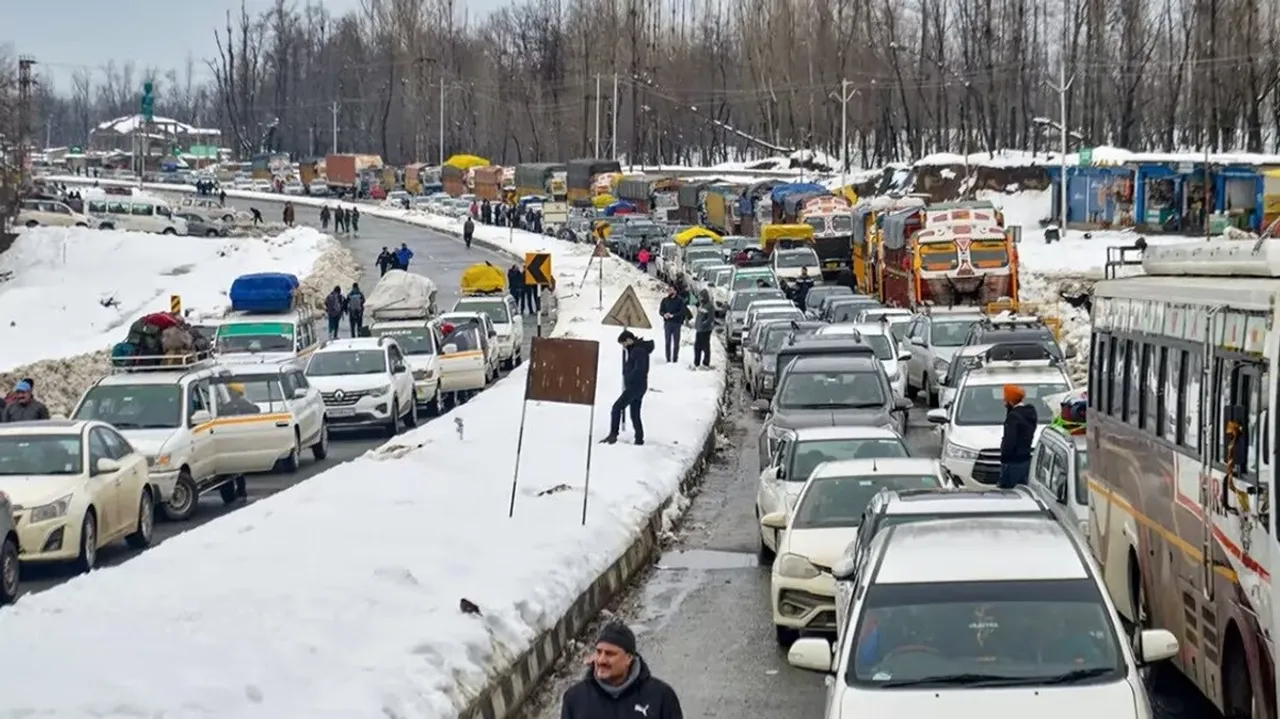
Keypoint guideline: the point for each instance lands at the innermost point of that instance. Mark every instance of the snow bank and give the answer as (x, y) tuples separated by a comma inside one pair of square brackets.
[(68, 294), (342, 596)]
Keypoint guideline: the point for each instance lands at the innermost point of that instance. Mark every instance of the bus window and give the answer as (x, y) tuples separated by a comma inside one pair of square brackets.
[(938, 256), (142, 210), (988, 254)]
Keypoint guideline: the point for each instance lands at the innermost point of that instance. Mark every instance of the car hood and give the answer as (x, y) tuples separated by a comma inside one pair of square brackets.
[(946, 354), (799, 418), (820, 546), (980, 437), (27, 491), (422, 362), (148, 442), (1115, 700)]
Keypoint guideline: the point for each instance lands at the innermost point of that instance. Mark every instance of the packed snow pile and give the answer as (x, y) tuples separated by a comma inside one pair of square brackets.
[(393, 585), (69, 294)]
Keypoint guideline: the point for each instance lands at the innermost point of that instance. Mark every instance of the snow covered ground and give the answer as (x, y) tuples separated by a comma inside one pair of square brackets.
[(341, 597), (68, 294)]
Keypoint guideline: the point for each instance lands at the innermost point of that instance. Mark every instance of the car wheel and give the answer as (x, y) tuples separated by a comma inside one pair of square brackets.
[(393, 425), (211, 233), (508, 364), (228, 492), (786, 636), (320, 449), (88, 543), (169, 231), (290, 464), (81, 224), (32, 223), (181, 506), (141, 537), (106, 226), (434, 409), (228, 218), (411, 417), (9, 571)]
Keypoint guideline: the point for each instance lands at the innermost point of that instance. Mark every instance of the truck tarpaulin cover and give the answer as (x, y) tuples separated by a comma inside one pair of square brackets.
[(580, 172), (482, 277), (794, 202), (754, 191), (781, 191), (534, 175), (686, 236), (688, 195), (488, 174), (401, 295), (636, 187), (466, 162)]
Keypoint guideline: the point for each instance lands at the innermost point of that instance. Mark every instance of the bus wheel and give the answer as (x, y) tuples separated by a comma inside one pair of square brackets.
[(1238, 701)]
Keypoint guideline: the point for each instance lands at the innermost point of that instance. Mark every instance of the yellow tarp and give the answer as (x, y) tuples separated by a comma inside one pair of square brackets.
[(603, 201), (773, 232), (693, 233), (483, 277), (466, 162), (849, 194)]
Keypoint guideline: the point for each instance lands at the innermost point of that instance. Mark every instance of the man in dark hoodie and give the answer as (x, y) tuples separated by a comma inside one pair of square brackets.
[(704, 323), (672, 308), (1019, 432), (635, 382), (619, 684), (515, 286)]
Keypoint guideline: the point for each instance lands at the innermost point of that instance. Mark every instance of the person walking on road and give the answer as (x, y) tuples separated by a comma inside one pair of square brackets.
[(619, 683), (354, 217), (673, 309), (403, 255), (355, 309), (635, 382), (288, 214), (515, 285), (468, 231), (335, 306), (704, 323), (340, 219), (642, 257), (800, 289), (386, 261), (257, 216), (222, 197), (324, 218), (1019, 432)]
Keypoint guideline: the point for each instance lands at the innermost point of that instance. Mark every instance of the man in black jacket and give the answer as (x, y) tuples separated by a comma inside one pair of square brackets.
[(801, 287), (1019, 433), (515, 285), (672, 308), (619, 685), (635, 382)]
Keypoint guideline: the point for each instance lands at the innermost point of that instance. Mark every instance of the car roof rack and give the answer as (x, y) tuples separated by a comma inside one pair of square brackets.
[(162, 363), (1017, 352)]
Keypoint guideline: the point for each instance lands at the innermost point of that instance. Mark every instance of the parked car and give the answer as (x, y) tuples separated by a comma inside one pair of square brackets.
[(202, 227)]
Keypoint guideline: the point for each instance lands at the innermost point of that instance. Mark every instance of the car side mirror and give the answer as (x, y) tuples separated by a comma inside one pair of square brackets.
[(399, 368), (938, 416), (201, 416), (917, 341), (300, 393), (760, 405), (810, 653), (779, 472), (1156, 645), (774, 520), (449, 349), (903, 404), (904, 356), (842, 570), (106, 465)]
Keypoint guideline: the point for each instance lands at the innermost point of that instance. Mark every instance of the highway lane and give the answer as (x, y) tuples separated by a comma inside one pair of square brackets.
[(702, 615), (440, 257)]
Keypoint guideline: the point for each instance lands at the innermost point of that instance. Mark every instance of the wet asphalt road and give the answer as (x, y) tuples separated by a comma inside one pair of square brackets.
[(439, 257), (702, 615)]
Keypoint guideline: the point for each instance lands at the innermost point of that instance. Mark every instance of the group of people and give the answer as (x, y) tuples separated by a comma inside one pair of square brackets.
[(397, 260), (344, 219), (351, 306), (507, 215), (676, 309), (21, 404), (528, 297), (206, 188)]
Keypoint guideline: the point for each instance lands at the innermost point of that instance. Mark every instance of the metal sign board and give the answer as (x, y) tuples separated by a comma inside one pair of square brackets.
[(600, 250), (175, 304), (562, 370), (537, 268), (627, 311)]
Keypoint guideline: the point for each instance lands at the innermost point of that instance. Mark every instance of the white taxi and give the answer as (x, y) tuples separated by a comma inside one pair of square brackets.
[(364, 381), (817, 531), (75, 487), (418, 341), (276, 390), (488, 335), (506, 320)]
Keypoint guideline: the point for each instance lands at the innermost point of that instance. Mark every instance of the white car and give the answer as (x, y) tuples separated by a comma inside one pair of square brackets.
[(262, 186), (464, 365), (294, 188), (75, 487), (1001, 617), (242, 183), (881, 314), (364, 381), (800, 451), (789, 264), (973, 424), (50, 213), (774, 308), (277, 390), (506, 320), (318, 188), (421, 347), (932, 340), (739, 301), (720, 290), (876, 335), (965, 359), (823, 522), (488, 331), (211, 209)]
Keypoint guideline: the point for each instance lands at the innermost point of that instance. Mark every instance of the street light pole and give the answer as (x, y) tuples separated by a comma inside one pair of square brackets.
[(614, 117), (1061, 88), (845, 96), (442, 122), (596, 147), (335, 127)]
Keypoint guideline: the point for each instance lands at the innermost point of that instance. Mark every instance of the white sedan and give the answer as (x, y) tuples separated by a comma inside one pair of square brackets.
[(76, 486)]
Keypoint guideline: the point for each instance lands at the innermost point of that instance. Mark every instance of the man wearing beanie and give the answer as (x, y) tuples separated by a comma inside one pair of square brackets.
[(619, 684), (1019, 433)]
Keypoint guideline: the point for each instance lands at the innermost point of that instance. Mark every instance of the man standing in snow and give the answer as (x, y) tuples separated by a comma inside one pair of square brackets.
[(24, 407), (354, 217), (403, 255), (672, 308), (635, 382), (334, 306), (619, 683), (324, 218), (704, 323)]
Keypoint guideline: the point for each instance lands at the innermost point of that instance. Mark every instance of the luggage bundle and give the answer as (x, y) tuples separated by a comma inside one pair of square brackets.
[(401, 295), (264, 293), (158, 339)]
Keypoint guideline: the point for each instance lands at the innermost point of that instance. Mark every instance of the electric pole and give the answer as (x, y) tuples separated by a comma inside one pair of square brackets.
[(596, 147), (335, 127), (844, 97), (1064, 84), (442, 157), (613, 117)]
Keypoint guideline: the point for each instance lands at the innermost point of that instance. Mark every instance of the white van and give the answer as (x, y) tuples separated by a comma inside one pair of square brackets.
[(137, 214), (51, 213), (264, 338)]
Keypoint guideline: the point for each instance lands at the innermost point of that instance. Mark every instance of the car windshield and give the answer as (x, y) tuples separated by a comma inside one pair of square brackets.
[(741, 300), (37, 454), (797, 258), (817, 295), (775, 337), (950, 333), (881, 345), (704, 254), (848, 312), (774, 314), (984, 634), (899, 329), (347, 362), (840, 501), (255, 337), (984, 404), (743, 281), (1029, 335), (1082, 466), (143, 406), (809, 455), (461, 339), (497, 311), (251, 394), (413, 340), (830, 390), (723, 277)]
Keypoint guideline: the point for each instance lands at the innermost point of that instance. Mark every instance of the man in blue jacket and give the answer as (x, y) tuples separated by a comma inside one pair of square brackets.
[(403, 255), (635, 382)]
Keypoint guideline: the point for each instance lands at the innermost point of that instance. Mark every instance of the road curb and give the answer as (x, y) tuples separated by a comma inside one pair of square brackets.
[(509, 689)]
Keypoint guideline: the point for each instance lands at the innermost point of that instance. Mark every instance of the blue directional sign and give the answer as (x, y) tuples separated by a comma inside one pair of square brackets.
[(148, 102)]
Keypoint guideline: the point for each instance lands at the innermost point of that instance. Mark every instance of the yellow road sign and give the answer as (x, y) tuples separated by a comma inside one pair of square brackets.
[(175, 304)]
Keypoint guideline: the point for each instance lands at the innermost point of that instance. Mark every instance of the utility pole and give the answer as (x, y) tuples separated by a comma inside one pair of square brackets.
[(1064, 84), (613, 116), (335, 127), (25, 85), (442, 157), (844, 97), (596, 146)]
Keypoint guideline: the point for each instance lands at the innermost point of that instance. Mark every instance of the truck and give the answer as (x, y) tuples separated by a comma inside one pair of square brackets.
[(487, 182), (342, 174), (946, 254), (580, 176), (688, 203), (454, 180), (720, 208), (749, 201), (831, 217), (651, 194), (413, 178)]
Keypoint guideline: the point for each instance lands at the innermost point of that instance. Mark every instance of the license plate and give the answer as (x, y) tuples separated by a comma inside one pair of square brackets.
[(341, 412)]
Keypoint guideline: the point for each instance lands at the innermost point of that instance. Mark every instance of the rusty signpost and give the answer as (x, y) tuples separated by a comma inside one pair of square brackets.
[(562, 371)]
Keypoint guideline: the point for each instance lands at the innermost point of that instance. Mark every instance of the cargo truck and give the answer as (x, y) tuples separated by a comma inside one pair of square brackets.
[(720, 208), (452, 177), (831, 218), (956, 254), (535, 178), (688, 203), (581, 176), (342, 175), (487, 182), (749, 201)]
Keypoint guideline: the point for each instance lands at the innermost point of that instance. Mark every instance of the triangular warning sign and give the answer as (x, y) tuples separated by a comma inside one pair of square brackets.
[(600, 250), (627, 312)]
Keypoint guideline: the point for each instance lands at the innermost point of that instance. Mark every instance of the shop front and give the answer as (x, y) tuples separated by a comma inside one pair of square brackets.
[(1171, 197), (1239, 191), (1096, 196)]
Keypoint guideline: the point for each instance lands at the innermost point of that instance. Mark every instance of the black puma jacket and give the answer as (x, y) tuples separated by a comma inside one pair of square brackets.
[(644, 696)]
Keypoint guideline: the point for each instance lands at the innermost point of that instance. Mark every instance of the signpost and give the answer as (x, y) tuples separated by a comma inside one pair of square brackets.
[(148, 115), (561, 371), (537, 274), (175, 304)]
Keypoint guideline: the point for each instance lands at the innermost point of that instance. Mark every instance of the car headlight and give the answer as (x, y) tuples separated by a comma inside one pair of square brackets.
[(53, 510), (795, 566), (160, 460), (959, 452), (423, 374), (776, 433), (940, 366), (381, 390)]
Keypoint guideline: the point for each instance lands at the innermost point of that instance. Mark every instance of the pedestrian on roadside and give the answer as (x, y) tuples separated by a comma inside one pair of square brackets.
[(642, 257), (386, 261), (354, 217), (335, 306), (515, 285), (355, 309), (533, 296), (635, 382), (257, 216), (403, 255), (324, 218), (704, 323), (1019, 432), (222, 198), (288, 214), (340, 219), (673, 309), (619, 683), (468, 231)]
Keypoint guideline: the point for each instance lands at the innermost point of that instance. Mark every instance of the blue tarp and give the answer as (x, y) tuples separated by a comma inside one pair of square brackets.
[(782, 191), (621, 206)]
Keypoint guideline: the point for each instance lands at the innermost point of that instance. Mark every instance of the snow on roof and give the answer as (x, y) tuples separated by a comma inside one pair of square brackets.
[(128, 124), (1103, 155)]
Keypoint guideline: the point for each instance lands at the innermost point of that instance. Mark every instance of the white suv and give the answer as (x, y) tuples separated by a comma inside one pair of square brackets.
[(507, 322), (364, 381), (51, 213)]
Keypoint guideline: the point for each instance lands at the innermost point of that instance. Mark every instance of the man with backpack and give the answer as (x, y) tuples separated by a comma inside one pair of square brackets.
[(468, 230), (386, 261), (355, 309), (334, 307), (324, 218)]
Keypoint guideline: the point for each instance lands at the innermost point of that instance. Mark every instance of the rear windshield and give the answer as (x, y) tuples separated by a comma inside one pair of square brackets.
[(742, 299)]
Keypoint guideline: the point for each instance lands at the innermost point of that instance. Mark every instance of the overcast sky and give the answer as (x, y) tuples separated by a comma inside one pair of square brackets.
[(67, 34)]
